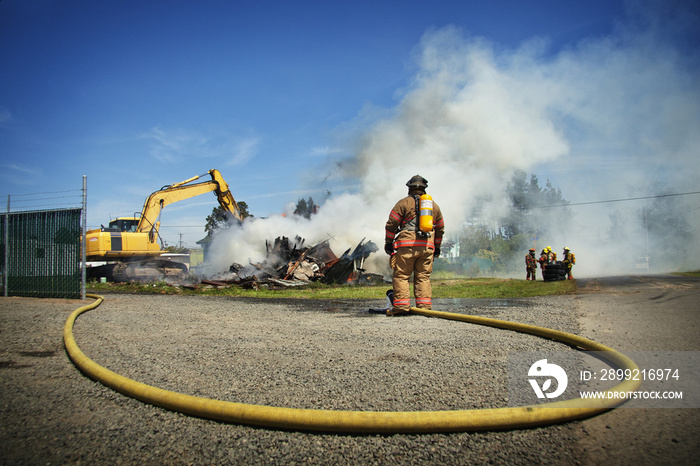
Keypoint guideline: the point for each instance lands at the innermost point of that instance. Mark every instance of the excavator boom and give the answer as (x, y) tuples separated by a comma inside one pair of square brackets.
[(185, 190)]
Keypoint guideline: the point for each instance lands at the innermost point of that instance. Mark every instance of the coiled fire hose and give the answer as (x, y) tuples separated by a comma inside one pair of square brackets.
[(368, 422)]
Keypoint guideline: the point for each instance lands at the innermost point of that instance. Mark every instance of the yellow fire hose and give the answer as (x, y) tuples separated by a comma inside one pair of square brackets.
[(370, 421)]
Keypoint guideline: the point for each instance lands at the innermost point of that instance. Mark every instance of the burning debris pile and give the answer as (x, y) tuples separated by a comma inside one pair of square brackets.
[(291, 263)]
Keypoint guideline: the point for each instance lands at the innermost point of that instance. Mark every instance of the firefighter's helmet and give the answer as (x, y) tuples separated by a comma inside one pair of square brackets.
[(532, 250), (567, 249), (417, 181)]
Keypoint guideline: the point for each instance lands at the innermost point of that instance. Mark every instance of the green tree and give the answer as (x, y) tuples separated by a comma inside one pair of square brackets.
[(306, 208), (243, 207), (220, 217), (665, 227), (615, 231), (521, 200), (533, 210), (474, 239)]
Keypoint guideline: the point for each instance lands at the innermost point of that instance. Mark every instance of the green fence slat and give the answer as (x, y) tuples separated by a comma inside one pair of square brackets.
[(43, 253)]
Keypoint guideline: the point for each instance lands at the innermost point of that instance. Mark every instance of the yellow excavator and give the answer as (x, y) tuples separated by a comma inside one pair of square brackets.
[(129, 249)]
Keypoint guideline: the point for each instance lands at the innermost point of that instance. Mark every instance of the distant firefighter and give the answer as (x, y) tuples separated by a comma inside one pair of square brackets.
[(569, 261), (543, 260), (531, 265)]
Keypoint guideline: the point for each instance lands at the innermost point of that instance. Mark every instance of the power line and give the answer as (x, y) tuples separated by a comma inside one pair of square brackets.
[(618, 200), (182, 226)]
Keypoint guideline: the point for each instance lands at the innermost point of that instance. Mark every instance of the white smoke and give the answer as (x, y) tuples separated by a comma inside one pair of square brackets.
[(608, 114), (336, 221)]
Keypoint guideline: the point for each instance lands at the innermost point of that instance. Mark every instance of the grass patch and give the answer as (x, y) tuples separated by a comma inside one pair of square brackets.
[(492, 288), (487, 288), (689, 274)]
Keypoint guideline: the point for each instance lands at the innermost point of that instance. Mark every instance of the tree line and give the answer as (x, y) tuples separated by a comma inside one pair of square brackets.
[(496, 242)]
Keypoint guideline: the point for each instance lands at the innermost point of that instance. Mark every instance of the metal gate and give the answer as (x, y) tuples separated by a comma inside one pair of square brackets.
[(41, 253)]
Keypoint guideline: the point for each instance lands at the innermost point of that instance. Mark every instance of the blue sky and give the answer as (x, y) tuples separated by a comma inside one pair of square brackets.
[(276, 95)]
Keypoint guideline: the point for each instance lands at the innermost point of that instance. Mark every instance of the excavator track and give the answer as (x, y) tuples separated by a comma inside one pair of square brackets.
[(150, 270)]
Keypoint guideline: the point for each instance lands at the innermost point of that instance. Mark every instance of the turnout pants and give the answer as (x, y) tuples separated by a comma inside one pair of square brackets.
[(419, 262), (531, 273)]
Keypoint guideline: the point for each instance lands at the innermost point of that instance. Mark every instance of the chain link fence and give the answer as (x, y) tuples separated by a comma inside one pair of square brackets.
[(40, 253)]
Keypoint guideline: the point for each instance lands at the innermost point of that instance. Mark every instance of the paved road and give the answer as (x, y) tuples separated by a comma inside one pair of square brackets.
[(642, 313)]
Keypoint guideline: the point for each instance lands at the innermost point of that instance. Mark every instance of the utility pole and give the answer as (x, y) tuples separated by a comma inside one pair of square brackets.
[(180, 240), (83, 266)]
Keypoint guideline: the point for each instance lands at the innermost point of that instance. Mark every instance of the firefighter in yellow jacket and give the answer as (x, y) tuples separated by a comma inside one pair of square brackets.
[(543, 260), (569, 261), (413, 236)]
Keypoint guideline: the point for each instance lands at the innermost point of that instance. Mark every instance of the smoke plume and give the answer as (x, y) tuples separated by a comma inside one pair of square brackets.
[(609, 118)]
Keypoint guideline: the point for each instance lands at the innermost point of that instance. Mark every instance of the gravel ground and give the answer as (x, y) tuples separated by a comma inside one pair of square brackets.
[(293, 353)]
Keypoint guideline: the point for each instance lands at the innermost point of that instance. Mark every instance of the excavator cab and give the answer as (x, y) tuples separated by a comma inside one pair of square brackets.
[(124, 224)]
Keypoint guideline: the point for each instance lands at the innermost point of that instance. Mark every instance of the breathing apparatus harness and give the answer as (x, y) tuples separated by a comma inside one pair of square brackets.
[(417, 219), (422, 222)]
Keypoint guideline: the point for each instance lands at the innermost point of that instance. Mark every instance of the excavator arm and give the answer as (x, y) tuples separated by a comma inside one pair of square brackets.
[(185, 190)]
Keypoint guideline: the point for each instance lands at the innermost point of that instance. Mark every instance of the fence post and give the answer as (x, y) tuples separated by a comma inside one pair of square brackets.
[(7, 247), (83, 244)]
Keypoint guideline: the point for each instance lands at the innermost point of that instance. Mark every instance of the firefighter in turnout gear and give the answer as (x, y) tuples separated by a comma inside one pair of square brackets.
[(531, 265), (413, 236), (569, 261), (543, 260)]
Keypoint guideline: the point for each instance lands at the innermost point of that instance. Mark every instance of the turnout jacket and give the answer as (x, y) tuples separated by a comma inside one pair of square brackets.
[(402, 225), (530, 261)]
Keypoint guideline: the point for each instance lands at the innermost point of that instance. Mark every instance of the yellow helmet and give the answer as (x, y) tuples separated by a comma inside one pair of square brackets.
[(567, 249), (548, 249)]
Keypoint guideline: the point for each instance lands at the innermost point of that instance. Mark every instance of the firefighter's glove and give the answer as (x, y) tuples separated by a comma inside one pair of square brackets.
[(389, 248), (436, 254)]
